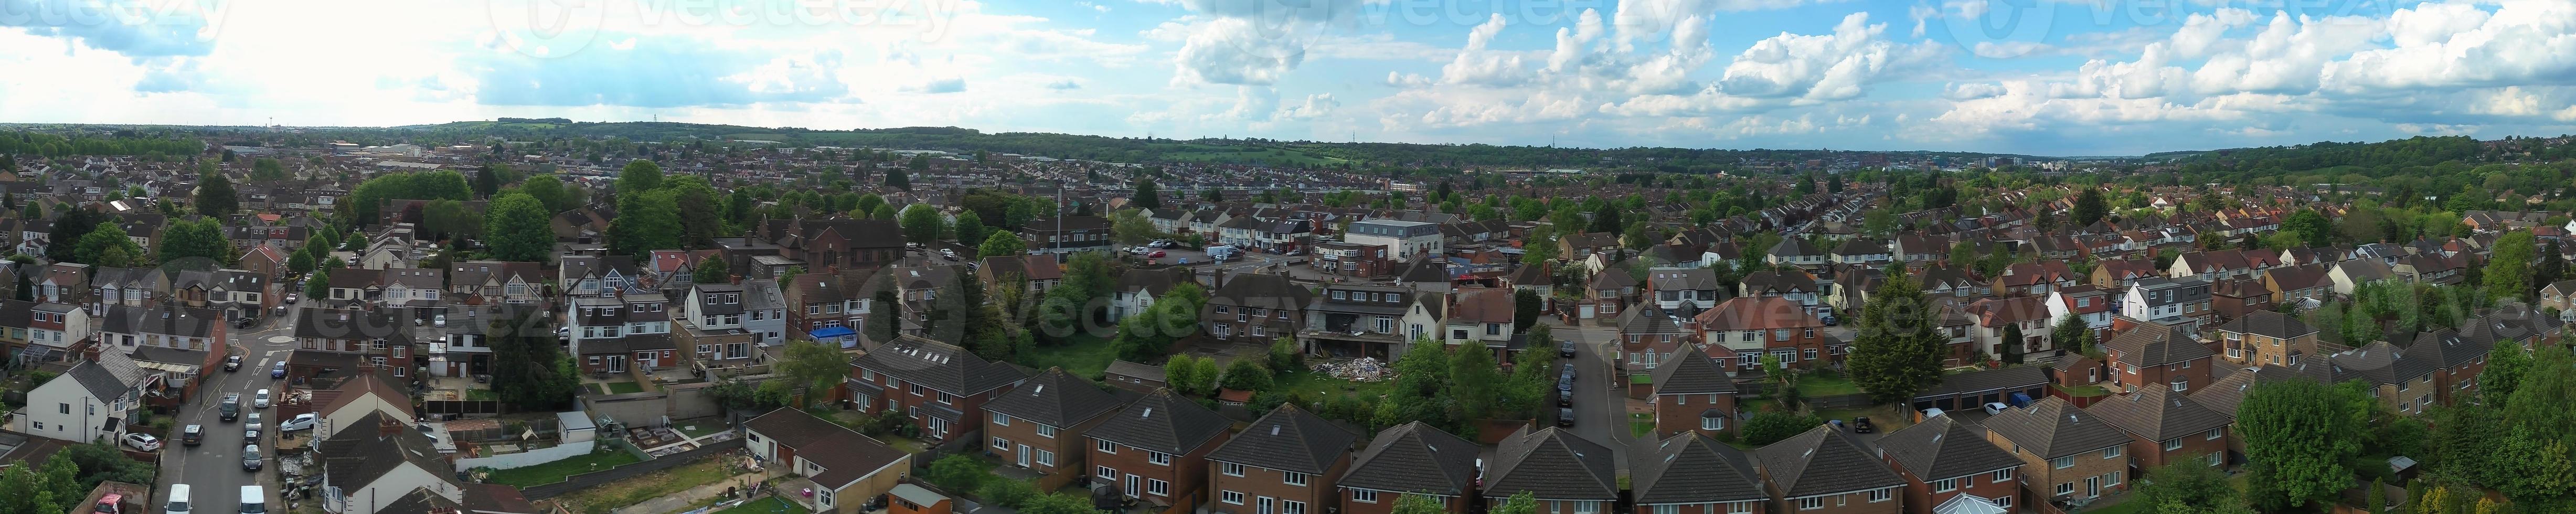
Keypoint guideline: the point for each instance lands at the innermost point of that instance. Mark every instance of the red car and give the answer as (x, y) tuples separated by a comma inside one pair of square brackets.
[(1156, 255)]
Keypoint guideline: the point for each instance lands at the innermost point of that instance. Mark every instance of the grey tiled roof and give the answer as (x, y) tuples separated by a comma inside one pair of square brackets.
[(1055, 398), (1691, 468), (1415, 457), (1162, 422), (1824, 460), (1553, 464), (2153, 344), (1943, 447), (2052, 428), (2270, 324), (1694, 373), (939, 366), (1290, 439), (2158, 414)]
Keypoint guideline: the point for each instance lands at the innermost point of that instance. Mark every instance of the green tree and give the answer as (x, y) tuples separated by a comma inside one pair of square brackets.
[(2090, 207), (215, 196), (970, 229), (487, 181), (1412, 503), (548, 192), (921, 223), (319, 286), (2509, 271), (1131, 227), (521, 231), (2012, 344), (2299, 443), (1475, 382), (70, 225), (1770, 427), (267, 169), (529, 369), (959, 472), (1145, 196), (898, 179), (1897, 353), (646, 221), (1006, 492), (1521, 503), (1247, 375), (713, 270), (2313, 229), (1525, 309), (1059, 503), (2187, 486), (197, 244), (814, 365), (882, 212), (2071, 333), (2506, 366), (638, 177), (1002, 243), (108, 247)]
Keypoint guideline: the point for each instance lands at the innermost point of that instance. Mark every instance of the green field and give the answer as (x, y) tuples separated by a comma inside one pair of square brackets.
[(1085, 356), (552, 472)]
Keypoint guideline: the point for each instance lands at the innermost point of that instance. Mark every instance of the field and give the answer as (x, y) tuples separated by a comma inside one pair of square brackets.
[(552, 472), (1085, 356), (606, 498)]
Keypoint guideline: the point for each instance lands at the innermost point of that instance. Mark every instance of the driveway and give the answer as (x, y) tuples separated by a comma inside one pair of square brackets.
[(213, 471)]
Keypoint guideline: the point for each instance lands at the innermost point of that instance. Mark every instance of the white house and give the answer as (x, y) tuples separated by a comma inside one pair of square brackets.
[(1403, 239), (88, 402), (844, 468), (370, 464)]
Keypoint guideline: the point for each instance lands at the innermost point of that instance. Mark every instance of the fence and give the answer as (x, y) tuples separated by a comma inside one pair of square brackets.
[(529, 458), (603, 477), (461, 407)]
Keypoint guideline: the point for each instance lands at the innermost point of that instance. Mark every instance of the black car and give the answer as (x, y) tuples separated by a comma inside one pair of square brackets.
[(1566, 371), (1565, 385), (246, 323), (193, 435), (1565, 399), (1565, 349), (1565, 417), (1861, 425)]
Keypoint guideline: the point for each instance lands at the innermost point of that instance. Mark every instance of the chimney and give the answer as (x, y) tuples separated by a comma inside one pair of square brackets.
[(1219, 279), (387, 427)]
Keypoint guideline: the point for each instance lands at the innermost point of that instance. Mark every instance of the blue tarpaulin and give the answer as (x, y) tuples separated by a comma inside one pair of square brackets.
[(848, 338)]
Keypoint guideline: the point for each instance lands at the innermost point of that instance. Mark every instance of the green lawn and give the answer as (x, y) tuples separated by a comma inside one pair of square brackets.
[(552, 472), (1319, 385), (2084, 391), (2130, 506), (770, 505), (701, 427), (482, 395), (1814, 385), (625, 387), (1641, 425), (1084, 356), (606, 498)]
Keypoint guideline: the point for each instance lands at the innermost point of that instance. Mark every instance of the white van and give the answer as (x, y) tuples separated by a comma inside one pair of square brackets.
[(178, 500), (254, 500)]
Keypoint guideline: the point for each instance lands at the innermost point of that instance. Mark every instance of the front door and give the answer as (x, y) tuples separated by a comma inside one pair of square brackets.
[(1134, 484), (2092, 487), (1266, 506), (1024, 455), (616, 364)]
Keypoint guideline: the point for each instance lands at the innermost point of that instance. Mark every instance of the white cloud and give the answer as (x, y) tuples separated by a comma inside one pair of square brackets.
[(1316, 106), (1822, 67), (1475, 65)]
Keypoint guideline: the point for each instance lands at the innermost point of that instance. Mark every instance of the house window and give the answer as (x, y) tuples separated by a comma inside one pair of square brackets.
[(2004, 501), (1668, 509), (1363, 496), (1106, 447), (1812, 503), (1105, 472), (1230, 469), (1739, 507), (1001, 443), (2113, 480), (2111, 452), (1712, 423), (1810, 354), (1292, 477), (1292, 507), (2173, 444), (1046, 431), (2180, 384), (1046, 458), (1158, 458), (1232, 497), (1882, 495), (2214, 433), (1780, 335), (2062, 462), (2065, 488), (1945, 485), (1158, 487), (1999, 476)]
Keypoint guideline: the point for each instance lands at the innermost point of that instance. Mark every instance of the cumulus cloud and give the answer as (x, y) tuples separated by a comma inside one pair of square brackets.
[(1065, 84), (1822, 67), (1252, 42), (1476, 65), (1316, 106), (938, 85)]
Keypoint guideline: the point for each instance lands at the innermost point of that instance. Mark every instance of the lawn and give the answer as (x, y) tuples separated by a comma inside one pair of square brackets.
[(1085, 356), (1641, 425), (605, 498), (625, 387), (1813, 385), (1319, 385), (2131, 506), (770, 505), (552, 472), (701, 427), (2084, 391), (482, 395)]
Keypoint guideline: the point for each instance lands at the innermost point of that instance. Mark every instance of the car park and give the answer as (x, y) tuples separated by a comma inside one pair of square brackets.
[(192, 435), (142, 441), (233, 363)]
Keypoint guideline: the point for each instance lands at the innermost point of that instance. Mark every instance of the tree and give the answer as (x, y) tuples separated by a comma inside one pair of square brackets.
[(646, 221), (882, 212), (638, 177), (1525, 309), (2012, 344), (2071, 333), (1412, 503), (1059, 503), (2509, 271), (700, 216), (2506, 366), (2190, 484), (1130, 227), (959, 472), (1896, 353), (215, 196), (2090, 207), (1002, 243), (197, 244), (1181, 372), (548, 192), (1247, 375), (1006, 492), (320, 285), (898, 179), (2312, 228), (712, 271), (487, 182), (1146, 197), (520, 230), (1521, 503), (2299, 443), (108, 247), (529, 369), (70, 224), (920, 223), (815, 365)]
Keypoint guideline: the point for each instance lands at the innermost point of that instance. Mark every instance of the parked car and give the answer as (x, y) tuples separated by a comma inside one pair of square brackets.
[(1565, 416), (253, 425), (290, 297), (1565, 385), (1160, 243), (1861, 425), (1565, 398), (1565, 349), (192, 435), (438, 320), (299, 422), (281, 311), (246, 322), (1994, 408), (177, 503), (231, 407), (250, 457), (109, 504), (947, 253), (233, 363), (259, 400), (143, 441), (1157, 254), (1566, 371), (277, 371)]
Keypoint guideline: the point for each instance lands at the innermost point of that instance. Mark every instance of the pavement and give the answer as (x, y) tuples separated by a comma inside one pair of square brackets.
[(213, 471), (1600, 411)]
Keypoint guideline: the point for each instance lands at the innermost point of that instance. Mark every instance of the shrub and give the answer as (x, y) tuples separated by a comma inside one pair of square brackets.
[(1771, 427)]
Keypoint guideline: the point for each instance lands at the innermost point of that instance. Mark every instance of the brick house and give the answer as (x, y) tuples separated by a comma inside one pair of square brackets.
[(1942, 459), (819, 302), (1649, 336), (1690, 473), (2166, 427), (1255, 307), (943, 388), (1285, 463), (1156, 450), (2155, 355), (2066, 453), (1412, 458), (365, 336), (1752, 326), (1565, 472), (2266, 337), (1692, 394), (2399, 380), (1039, 425), (1825, 470)]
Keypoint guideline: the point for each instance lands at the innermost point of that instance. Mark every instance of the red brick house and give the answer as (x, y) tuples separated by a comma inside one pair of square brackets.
[(1155, 450), (1412, 458), (941, 386), (1566, 473), (1942, 459), (2158, 355), (2166, 427), (1825, 470), (1039, 425), (1692, 394), (1690, 473), (1287, 462), (1753, 326)]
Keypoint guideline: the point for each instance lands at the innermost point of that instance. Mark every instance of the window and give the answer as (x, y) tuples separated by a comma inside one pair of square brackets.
[(1046, 458), (1221, 310), (1811, 503), (1158, 458), (1739, 507), (1001, 443), (1713, 423), (1945, 485), (1233, 497), (1780, 335), (2180, 384), (2004, 501), (1810, 354), (1668, 509), (2173, 444), (1999, 476), (1292, 507), (2214, 433), (1587, 507), (1000, 419), (2062, 462), (1230, 469), (1292, 477), (1363, 496), (1105, 472), (2065, 488), (1046, 431), (2111, 452), (2114, 480), (1158, 487), (1882, 495), (1106, 447)]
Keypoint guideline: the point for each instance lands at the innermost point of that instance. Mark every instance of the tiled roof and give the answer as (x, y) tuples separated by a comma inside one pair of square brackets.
[(1693, 373), (2159, 414), (2151, 344), (1691, 468), (1824, 460), (1414, 457), (2053, 428), (1162, 422), (1054, 398), (1552, 464), (2268, 324), (1757, 312), (937, 365), (1290, 439), (846, 456), (1943, 447)]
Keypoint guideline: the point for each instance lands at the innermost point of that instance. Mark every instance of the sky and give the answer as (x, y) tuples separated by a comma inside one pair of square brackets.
[(2043, 77)]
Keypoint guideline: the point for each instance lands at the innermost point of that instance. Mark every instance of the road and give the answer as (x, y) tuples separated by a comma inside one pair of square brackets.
[(1600, 412), (213, 471)]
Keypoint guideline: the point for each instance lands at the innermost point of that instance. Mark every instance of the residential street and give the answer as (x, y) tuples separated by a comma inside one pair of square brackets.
[(213, 471), (1600, 412)]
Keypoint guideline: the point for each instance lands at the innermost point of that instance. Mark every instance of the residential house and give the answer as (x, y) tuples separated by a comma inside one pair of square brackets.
[(2266, 337), (1479, 316), (1566, 473), (1259, 308), (2159, 356), (1155, 450), (827, 244), (2183, 303), (2066, 453), (2119, 274), (1575, 247), (1039, 425), (1647, 338), (2088, 303), (1794, 284), (1035, 274), (1943, 458), (1286, 462), (1067, 234), (1684, 291), (1692, 393), (711, 325), (1411, 458), (1748, 327), (1691, 473), (943, 388), (497, 282), (1607, 294), (1997, 318), (1825, 469), (833, 308), (92, 401), (1355, 319), (361, 337), (2167, 426), (2299, 285), (1795, 252), (369, 464), (168, 327), (845, 469), (2402, 382), (1137, 289), (243, 294), (2351, 273)]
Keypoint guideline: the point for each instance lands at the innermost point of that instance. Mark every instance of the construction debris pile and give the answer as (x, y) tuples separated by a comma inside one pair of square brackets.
[(1364, 369)]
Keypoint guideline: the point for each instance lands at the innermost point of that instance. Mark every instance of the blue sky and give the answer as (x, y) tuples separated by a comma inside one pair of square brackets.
[(2050, 77)]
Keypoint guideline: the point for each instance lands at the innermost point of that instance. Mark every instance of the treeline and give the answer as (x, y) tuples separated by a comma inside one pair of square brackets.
[(121, 143)]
